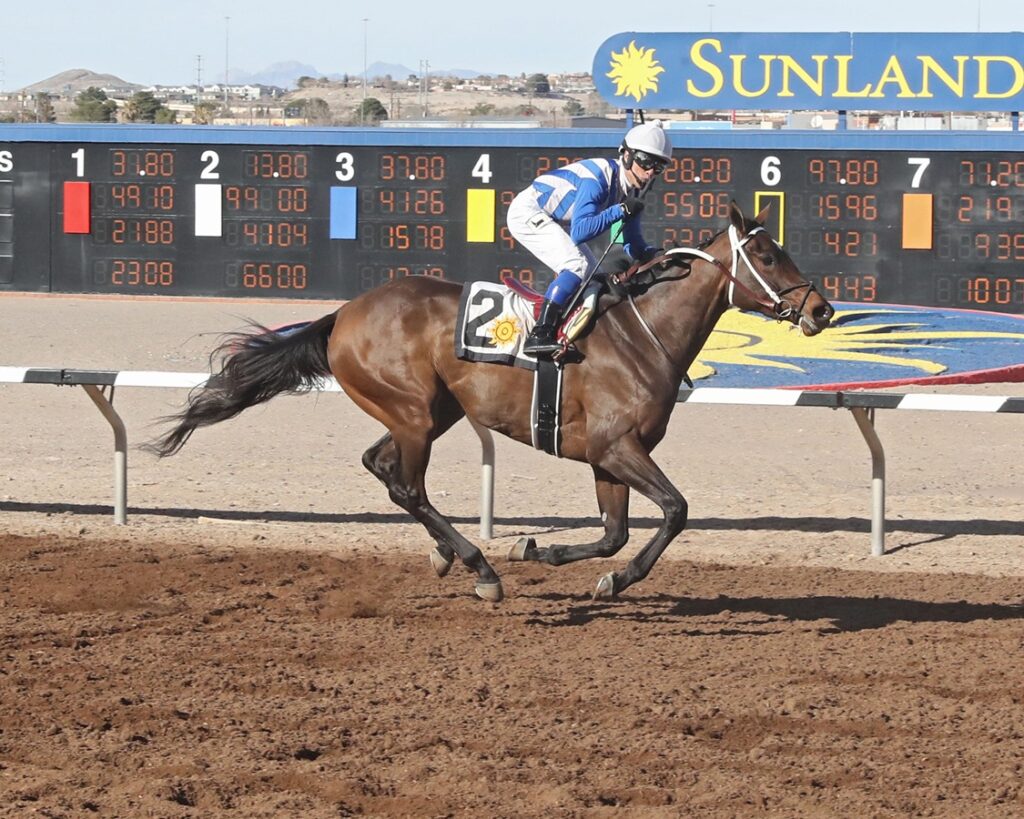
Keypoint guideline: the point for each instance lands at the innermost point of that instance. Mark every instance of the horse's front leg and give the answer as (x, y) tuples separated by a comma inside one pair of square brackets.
[(613, 501), (629, 461)]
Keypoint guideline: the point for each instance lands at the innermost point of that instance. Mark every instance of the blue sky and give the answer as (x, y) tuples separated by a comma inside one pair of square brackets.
[(148, 42)]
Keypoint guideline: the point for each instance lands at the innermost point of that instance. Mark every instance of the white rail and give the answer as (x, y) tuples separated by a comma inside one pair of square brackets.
[(100, 384)]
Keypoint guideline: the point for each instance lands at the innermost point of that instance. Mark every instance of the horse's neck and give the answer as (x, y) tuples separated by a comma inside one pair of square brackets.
[(682, 314)]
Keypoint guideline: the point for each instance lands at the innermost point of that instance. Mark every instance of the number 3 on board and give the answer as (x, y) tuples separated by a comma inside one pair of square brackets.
[(347, 169), (482, 169)]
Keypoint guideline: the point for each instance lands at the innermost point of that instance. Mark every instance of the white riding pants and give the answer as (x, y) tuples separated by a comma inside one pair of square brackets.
[(545, 238)]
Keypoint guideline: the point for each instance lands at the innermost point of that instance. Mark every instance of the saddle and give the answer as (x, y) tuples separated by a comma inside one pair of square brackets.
[(576, 320)]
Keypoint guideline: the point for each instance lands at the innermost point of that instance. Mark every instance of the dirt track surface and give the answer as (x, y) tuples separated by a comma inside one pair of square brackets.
[(266, 638), (164, 681)]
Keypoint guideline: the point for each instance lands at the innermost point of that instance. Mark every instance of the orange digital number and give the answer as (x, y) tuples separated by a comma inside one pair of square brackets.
[(276, 164), (685, 237), (430, 237), (706, 169), (268, 275), (396, 237), (850, 287), (843, 171), (412, 167), (275, 234), (126, 196), (142, 231), (690, 204), (138, 273), (142, 163)]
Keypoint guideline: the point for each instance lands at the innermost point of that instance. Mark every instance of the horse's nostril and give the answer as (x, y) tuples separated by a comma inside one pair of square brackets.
[(824, 312)]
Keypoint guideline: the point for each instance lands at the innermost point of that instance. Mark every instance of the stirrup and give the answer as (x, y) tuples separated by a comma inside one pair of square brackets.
[(540, 347), (542, 339)]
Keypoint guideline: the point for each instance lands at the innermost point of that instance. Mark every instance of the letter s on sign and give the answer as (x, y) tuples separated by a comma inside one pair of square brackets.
[(6, 162), (707, 67)]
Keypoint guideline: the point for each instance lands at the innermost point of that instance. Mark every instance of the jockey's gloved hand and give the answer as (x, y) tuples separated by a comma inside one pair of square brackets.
[(633, 206)]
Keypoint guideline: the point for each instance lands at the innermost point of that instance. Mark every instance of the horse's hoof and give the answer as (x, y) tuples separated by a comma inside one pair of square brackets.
[(605, 587), (521, 547), (491, 592), (440, 563)]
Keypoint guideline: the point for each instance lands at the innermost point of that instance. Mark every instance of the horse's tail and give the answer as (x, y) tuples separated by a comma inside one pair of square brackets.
[(256, 365)]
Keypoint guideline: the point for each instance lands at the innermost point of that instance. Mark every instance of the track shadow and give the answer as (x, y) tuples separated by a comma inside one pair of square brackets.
[(833, 613), (934, 529)]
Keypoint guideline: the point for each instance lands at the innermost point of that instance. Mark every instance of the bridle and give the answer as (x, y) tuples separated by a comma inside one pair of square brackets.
[(781, 308)]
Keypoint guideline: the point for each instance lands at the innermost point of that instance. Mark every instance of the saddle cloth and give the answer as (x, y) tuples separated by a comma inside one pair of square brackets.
[(493, 323), (495, 319)]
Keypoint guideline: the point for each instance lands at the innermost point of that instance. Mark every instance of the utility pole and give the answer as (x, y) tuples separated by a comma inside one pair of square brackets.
[(426, 89), (199, 72), (362, 108), (227, 40)]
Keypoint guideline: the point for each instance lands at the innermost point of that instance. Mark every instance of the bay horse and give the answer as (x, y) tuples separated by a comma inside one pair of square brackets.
[(392, 351)]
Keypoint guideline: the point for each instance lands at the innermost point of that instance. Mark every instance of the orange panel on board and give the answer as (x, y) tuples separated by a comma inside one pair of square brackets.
[(917, 221)]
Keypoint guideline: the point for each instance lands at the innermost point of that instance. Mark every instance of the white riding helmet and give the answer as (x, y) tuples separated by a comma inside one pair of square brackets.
[(649, 138)]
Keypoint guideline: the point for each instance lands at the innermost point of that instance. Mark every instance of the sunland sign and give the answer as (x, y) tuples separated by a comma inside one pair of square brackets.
[(838, 70)]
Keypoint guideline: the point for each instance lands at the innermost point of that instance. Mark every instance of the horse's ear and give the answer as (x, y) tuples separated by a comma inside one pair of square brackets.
[(736, 217), (762, 217)]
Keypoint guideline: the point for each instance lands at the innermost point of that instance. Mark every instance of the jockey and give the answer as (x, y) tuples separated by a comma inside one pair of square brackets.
[(564, 209)]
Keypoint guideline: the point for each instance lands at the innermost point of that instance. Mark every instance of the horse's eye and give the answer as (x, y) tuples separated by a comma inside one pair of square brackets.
[(768, 260)]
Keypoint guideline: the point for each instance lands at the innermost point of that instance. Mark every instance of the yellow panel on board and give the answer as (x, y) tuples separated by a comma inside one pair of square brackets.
[(480, 215), (776, 221)]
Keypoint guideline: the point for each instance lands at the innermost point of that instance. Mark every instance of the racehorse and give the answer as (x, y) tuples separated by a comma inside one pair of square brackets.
[(392, 351)]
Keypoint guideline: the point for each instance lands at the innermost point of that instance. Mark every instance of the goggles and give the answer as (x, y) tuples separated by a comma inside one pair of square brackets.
[(649, 161)]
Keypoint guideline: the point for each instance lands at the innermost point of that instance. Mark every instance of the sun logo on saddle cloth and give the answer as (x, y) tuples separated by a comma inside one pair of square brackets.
[(505, 330), (634, 71)]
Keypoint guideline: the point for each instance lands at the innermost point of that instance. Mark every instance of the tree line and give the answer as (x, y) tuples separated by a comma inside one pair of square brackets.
[(93, 105)]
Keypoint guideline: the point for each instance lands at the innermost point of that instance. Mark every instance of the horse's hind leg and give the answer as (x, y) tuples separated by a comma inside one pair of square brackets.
[(400, 460), (613, 501), (382, 460)]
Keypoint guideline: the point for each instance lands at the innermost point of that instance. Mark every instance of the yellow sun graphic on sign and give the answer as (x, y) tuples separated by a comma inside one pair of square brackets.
[(505, 330), (634, 71)]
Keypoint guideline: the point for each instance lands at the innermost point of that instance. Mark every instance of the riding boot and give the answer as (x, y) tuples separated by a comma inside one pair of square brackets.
[(542, 341)]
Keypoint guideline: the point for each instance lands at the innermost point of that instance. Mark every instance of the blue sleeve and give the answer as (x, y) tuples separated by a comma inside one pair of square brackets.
[(588, 220), (632, 239)]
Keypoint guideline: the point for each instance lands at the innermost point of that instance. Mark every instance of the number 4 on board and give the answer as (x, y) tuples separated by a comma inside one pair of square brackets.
[(482, 169)]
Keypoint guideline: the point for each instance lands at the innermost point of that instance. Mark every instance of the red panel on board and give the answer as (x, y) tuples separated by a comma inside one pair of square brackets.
[(76, 207)]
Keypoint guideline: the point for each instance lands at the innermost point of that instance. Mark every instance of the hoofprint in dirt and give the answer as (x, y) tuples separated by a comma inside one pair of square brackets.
[(181, 680)]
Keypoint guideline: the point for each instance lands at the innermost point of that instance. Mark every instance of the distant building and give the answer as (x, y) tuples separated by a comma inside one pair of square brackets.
[(596, 122)]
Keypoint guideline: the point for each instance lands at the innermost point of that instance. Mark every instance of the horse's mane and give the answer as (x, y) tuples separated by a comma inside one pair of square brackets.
[(703, 245)]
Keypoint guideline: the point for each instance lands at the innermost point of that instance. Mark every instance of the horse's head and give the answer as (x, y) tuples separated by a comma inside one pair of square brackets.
[(764, 279)]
